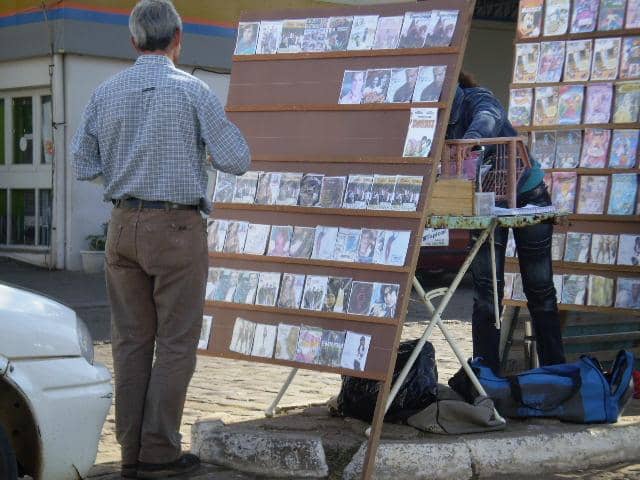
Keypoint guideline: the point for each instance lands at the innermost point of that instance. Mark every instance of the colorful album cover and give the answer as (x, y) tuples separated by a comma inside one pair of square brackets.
[(225, 287), (577, 64), (310, 187), (624, 149), (630, 60), (308, 348), (627, 105), (246, 288), (269, 37), (217, 232), (315, 289), (384, 300), (584, 16), (422, 127), (429, 84), (557, 246), (363, 32), (268, 288), (337, 297), (394, 248), (600, 291), (544, 148), (414, 29), (287, 341), (242, 337), (624, 188), (268, 188), (407, 193), (264, 340), (525, 68), (570, 99), (592, 194), (246, 186), (577, 247), (315, 34), (628, 293), (280, 240), (256, 241), (510, 248), (324, 242), (529, 19), (236, 237), (355, 351), (568, 148), (402, 84), (205, 332), (633, 14), (292, 36), (382, 192), (441, 28), (225, 186), (290, 290), (574, 289), (371, 242), (376, 84), (564, 190), (358, 191), (551, 62), (331, 348), (598, 103), (518, 290), (557, 283), (595, 148), (604, 248), (338, 33), (352, 85), (247, 38), (387, 33), (347, 245), (546, 106), (611, 15), (332, 191), (606, 56), (360, 298), (289, 189), (556, 17), (520, 100), (302, 242), (508, 285)]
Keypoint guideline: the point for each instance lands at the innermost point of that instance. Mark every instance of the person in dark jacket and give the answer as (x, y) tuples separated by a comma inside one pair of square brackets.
[(477, 113)]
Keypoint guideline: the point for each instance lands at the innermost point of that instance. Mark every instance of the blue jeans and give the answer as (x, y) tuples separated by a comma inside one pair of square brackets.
[(534, 255)]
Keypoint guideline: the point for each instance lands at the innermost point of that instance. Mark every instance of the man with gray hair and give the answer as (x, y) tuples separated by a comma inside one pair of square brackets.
[(145, 131)]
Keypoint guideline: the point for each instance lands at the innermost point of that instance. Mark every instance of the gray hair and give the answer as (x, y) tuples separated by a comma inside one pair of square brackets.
[(153, 24)]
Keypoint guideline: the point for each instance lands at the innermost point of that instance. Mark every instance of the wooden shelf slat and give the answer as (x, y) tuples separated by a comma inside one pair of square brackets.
[(604, 218), (580, 82), (342, 159), (581, 308), (579, 126), (330, 107), (393, 52), (319, 211), (581, 36), (602, 338), (595, 267), (593, 171)]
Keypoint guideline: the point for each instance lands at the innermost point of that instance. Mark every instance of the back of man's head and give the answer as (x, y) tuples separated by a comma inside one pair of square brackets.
[(153, 24)]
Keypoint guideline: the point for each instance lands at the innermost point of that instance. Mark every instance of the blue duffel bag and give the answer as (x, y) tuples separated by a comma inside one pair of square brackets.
[(579, 392)]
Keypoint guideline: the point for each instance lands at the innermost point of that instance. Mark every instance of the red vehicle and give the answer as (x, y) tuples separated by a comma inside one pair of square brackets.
[(450, 253)]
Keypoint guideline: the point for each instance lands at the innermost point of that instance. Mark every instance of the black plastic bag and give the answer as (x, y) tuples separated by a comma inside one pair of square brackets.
[(357, 397)]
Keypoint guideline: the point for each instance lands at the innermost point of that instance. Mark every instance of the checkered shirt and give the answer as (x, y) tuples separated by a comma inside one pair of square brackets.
[(145, 131)]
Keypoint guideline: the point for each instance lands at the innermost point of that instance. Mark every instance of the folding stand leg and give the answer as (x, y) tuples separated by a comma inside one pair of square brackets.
[(271, 411), (494, 277)]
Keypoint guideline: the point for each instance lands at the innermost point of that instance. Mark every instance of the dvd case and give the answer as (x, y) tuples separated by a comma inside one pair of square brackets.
[(401, 85), (551, 62), (338, 293), (544, 148), (577, 64), (556, 17), (592, 194), (606, 56), (225, 186), (268, 188), (387, 33), (290, 290), (568, 148), (310, 188), (247, 38), (429, 83), (598, 103), (376, 85), (309, 340), (217, 233), (346, 248), (331, 348), (604, 249), (611, 15), (628, 293), (363, 31), (315, 34), (584, 16), (268, 288), (546, 106), (256, 241), (525, 68), (352, 85), (315, 289), (564, 190), (383, 300), (630, 59), (520, 100), (338, 32), (529, 19), (289, 188), (358, 191), (625, 186), (414, 29), (286, 341), (246, 185), (264, 340), (627, 104), (595, 148), (574, 289), (624, 149), (422, 127), (600, 291), (355, 351), (302, 242), (292, 36), (570, 99), (236, 237), (406, 195), (269, 37), (442, 25), (332, 191), (557, 246), (280, 240), (360, 298), (242, 337), (324, 242), (246, 288), (633, 14), (577, 247)]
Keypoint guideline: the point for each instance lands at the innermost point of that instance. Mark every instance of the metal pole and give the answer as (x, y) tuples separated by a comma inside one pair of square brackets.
[(270, 412)]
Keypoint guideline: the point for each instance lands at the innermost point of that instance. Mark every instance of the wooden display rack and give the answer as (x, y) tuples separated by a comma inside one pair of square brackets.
[(287, 107)]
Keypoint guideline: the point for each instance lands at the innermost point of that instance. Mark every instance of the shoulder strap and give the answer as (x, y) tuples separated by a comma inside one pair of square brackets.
[(516, 391)]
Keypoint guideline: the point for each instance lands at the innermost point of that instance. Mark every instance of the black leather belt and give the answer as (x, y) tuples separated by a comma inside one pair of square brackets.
[(136, 203)]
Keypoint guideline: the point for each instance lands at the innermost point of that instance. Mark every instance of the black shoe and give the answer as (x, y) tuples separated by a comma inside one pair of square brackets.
[(461, 384), (129, 471), (187, 463)]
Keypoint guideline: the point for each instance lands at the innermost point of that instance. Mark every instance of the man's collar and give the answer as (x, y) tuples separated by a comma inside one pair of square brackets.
[(146, 59)]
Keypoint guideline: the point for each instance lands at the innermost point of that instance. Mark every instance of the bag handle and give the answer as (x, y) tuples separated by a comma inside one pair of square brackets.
[(621, 373), (516, 391)]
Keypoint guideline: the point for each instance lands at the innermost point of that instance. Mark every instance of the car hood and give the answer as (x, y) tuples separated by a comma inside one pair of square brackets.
[(35, 326)]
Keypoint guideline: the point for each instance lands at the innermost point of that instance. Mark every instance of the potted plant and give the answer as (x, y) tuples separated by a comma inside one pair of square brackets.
[(93, 259)]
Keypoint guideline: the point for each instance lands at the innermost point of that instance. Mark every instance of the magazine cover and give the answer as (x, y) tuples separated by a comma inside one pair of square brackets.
[(510, 249), (205, 332), (584, 16), (225, 186), (264, 340), (337, 297), (518, 291), (629, 250), (422, 127), (600, 291), (574, 289), (269, 37), (429, 84), (225, 287), (268, 288), (216, 234), (556, 17), (315, 34), (256, 241), (546, 106), (315, 288), (508, 285), (441, 28), (302, 242), (577, 248), (290, 290), (551, 62), (628, 293), (355, 351), (577, 65), (544, 148), (352, 85), (625, 186), (630, 61), (332, 191), (331, 348), (624, 149), (414, 29), (627, 104), (525, 68), (324, 242), (236, 236), (292, 36), (338, 33), (595, 148), (363, 32), (611, 14), (520, 100), (287, 341), (289, 189), (347, 245), (529, 19), (242, 338), (280, 241), (402, 84), (570, 104), (407, 193), (246, 288), (360, 298), (606, 55), (358, 191), (568, 148), (557, 283), (593, 193), (564, 190), (371, 242), (598, 103), (384, 299), (604, 248), (310, 187), (247, 38), (308, 347), (394, 248), (382, 192), (268, 188), (557, 246), (387, 33), (246, 186), (376, 84)]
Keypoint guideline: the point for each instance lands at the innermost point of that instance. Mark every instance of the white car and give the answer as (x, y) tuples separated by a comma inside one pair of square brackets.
[(53, 398)]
